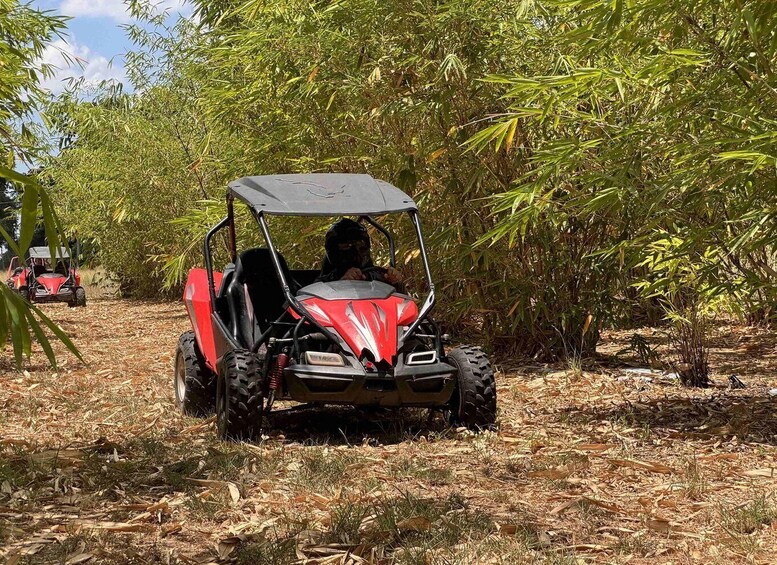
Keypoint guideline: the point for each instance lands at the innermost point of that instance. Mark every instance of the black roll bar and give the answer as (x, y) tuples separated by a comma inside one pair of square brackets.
[(429, 302), (294, 304), (388, 236), (209, 263), (231, 221)]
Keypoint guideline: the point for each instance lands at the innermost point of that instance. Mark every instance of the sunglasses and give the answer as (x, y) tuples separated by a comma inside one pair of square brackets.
[(359, 245)]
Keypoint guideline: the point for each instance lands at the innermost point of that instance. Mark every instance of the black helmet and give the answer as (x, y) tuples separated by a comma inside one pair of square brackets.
[(347, 245)]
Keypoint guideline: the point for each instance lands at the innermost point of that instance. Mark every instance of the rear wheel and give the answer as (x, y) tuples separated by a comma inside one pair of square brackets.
[(194, 383), (473, 403), (239, 400)]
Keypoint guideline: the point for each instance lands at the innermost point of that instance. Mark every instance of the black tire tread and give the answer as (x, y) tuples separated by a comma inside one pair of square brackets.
[(80, 299), (200, 399), (475, 404), (245, 401)]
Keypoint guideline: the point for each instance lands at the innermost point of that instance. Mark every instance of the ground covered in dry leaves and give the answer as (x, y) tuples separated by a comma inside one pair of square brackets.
[(604, 465)]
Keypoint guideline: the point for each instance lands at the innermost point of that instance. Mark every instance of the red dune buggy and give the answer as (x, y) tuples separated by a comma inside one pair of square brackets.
[(48, 280), (14, 273), (262, 331)]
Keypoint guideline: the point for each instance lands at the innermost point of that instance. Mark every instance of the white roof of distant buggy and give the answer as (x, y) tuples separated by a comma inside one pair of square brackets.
[(45, 253)]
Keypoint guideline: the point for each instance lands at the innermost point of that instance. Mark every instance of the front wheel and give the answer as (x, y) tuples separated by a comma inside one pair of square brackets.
[(79, 298), (473, 403), (239, 399)]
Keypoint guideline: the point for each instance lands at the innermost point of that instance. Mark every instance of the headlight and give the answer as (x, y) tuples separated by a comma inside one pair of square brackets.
[(421, 358), (328, 359)]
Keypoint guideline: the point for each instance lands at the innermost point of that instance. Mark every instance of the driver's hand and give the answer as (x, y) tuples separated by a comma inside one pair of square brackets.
[(353, 274), (393, 276)]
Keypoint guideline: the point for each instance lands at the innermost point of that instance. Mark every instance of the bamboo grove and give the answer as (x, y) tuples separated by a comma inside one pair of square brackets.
[(580, 163)]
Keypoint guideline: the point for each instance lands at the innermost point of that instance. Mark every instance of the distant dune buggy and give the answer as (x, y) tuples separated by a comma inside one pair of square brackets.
[(14, 272), (263, 332), (45, 279)]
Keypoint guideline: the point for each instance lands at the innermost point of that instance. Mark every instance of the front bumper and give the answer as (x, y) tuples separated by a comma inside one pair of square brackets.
[(419, 385), (42, 295)]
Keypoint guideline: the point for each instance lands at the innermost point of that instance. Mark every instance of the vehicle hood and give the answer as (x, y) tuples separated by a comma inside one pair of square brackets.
[(51, 281), (368, 325)]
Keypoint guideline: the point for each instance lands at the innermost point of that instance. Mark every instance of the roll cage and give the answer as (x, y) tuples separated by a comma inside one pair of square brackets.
[(62, 256), (271, 203)]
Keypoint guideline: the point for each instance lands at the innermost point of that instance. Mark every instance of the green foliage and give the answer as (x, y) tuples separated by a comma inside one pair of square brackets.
[(654, 122), (576, 160), (24, 33), (132, 163), (394, 89)]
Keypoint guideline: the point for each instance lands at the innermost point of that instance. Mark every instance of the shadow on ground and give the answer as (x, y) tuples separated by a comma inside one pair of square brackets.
[(751, 417), (319, 425)]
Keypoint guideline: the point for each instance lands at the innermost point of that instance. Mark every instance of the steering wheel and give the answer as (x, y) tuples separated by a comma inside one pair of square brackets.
[(375, 273)]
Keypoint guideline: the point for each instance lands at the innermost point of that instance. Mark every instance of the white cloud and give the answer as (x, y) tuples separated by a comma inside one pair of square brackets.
[(114, 9), (117, 9), (71, 60)]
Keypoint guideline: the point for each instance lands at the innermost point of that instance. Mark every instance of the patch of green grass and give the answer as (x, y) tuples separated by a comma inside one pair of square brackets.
[(448, 521), (276, 546), (11, 471), (234, 462), (406, 529), (176, 475), (566, 462), (413, 467), (280, 551), (591, 517), (559, 558), (56, 552), (105, 548), (100, 472), (574, 367), (228, 465), (208, 508), (527, 532), (695, 482), (741, 521), (497, 551), (346, 521), (152, 448), (321, 469), (19, 470), (634, 544), (749, 517), (516, 466)]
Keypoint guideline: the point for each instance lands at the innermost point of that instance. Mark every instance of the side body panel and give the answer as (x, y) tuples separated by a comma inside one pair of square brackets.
[(12, 267), (19, 280), (197, 300)]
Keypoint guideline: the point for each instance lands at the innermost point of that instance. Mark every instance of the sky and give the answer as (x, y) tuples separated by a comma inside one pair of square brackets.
[(94, 38)]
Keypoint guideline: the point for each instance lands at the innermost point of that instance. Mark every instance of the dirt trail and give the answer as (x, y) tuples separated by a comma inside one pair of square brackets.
[(96, 467)]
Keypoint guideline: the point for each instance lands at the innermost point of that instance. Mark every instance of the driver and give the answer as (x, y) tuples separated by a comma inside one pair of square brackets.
[(348, 257)]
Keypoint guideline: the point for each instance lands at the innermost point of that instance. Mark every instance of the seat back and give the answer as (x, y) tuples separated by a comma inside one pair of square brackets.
[(255, 293)]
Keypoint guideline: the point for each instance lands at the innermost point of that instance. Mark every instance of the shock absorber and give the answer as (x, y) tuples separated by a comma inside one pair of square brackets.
[(276, 375)]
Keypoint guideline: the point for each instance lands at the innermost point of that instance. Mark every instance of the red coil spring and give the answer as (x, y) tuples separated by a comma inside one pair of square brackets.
[(281, 362)]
